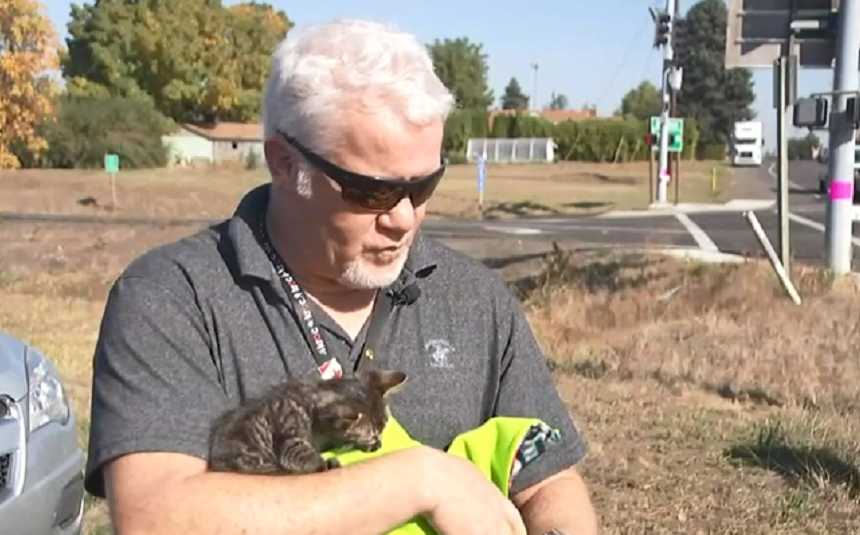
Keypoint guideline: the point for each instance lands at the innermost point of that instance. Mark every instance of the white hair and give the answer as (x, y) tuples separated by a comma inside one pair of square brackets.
[(319, 71)]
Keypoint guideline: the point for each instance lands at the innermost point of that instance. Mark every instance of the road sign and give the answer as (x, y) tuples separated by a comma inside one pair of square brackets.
[(482, 179), (676, 133), (112, 163), (112, 168), (758, 32)]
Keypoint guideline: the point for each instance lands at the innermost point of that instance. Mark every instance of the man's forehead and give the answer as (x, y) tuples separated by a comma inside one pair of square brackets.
[(386, 146)]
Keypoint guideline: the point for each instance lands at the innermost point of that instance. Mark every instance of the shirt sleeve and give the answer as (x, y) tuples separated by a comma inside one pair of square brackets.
[(527, 390), (155, 382)]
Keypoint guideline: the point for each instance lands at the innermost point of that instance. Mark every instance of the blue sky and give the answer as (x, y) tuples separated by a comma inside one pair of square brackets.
[(593, 52)]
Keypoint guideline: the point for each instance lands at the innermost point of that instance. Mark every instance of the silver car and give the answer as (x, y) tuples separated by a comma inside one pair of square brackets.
[(41, 465)]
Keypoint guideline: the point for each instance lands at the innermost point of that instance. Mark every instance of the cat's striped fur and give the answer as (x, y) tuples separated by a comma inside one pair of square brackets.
[(285, 431)]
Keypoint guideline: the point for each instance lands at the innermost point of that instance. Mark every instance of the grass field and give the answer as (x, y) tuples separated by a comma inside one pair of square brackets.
[(711, 404), (511, 190)]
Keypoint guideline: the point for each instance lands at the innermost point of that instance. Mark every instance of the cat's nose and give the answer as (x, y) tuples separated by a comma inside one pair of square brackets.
[(375, 445)]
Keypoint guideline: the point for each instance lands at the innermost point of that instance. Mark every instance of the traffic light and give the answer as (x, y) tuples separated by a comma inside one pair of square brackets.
[(811, 112), (663, 29)]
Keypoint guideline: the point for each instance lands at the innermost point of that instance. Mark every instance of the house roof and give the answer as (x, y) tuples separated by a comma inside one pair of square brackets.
[(224, 131), (554, 116), (557, 116)]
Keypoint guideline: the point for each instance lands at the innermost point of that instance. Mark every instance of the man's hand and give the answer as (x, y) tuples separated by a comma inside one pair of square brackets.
[(460, 500)]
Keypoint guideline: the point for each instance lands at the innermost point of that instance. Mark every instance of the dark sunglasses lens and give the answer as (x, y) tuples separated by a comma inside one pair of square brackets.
[(382, 198), (423, 191)]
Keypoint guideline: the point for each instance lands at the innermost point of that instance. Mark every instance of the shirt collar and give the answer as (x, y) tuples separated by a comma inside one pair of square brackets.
[(251, 259)]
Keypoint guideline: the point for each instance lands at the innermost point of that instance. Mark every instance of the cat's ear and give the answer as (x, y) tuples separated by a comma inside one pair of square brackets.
[(386, 381)]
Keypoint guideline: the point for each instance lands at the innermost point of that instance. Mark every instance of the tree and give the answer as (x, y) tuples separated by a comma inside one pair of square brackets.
[(803, 148), (714, 96), (462, 67), (85, 128), (641, 102), (195, 59), (514, 98), (28, 47), (558, 102), (255, 30)]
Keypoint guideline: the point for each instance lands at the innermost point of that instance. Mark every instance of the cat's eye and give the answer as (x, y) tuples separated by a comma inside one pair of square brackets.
[(359, 416)]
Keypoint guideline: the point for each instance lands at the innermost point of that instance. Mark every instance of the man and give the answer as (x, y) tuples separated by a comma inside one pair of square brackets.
[(320, 273)]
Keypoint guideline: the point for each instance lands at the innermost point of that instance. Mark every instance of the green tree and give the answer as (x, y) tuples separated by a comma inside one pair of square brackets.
[(558, 102), (641, 102), (86, 128), (801, 148), (714, 96), (255, 30), (195, 59), (514, 98), (462, 67)]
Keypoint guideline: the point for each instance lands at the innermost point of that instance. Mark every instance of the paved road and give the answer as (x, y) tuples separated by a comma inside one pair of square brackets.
[(710, 228)]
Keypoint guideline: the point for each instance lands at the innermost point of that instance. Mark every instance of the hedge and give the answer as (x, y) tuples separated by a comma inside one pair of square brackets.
[(596, 140)]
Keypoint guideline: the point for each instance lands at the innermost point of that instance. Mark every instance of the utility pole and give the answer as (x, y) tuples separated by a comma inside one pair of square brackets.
[(783, 73), (841, 168), (663, 38), (535, 87)]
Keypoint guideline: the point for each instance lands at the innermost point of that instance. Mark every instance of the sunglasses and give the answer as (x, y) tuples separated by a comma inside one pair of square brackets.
[(379, 194)]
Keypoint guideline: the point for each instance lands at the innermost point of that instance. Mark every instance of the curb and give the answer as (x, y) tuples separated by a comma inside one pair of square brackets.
[(735, 205)]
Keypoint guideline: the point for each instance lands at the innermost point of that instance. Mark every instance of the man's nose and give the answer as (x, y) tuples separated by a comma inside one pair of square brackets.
[(401, 218)]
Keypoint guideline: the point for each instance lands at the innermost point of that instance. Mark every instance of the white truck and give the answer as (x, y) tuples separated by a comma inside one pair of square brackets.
[(747, 143)]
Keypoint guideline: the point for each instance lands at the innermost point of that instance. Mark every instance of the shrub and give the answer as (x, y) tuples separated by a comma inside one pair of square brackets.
[(86, 128)]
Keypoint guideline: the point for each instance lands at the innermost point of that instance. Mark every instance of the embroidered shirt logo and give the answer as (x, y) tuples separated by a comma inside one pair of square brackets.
[(439, 352)]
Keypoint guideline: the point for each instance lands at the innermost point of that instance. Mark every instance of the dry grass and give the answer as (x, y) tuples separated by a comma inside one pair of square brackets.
[(567, 188), (728, 328), (712, 404)]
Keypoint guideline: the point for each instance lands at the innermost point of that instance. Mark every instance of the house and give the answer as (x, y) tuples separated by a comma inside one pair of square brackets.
[(215, 143)]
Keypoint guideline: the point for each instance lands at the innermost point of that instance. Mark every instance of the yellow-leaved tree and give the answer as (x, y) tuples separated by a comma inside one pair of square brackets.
[(28, 49)]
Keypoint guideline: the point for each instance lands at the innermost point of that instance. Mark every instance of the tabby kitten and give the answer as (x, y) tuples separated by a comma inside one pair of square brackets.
[(285, 431)]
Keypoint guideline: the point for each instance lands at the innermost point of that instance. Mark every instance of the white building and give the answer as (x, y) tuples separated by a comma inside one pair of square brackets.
[(214, 144)]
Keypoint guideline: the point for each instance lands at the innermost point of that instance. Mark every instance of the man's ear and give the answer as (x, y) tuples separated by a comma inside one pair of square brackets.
[(279, 159)]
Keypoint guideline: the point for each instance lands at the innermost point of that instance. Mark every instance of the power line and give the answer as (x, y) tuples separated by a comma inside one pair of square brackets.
[(611, 83)]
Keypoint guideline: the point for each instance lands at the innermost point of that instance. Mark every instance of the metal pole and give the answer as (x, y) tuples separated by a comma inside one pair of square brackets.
[(676, 176), (841, 169), (673, 169), (668, 56), (782, 151), (650, 174), (771, 255)]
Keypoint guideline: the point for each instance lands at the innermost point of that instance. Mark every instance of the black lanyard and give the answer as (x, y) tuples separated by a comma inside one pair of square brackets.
[(310, 330)]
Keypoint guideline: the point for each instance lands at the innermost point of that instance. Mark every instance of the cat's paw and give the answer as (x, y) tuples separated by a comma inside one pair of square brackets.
[(331, 464)]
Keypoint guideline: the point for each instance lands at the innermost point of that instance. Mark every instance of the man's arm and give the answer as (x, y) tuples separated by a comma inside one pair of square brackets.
[(168, 493), (559, 502)]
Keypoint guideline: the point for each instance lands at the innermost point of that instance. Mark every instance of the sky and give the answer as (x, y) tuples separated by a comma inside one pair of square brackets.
[(592, 52)]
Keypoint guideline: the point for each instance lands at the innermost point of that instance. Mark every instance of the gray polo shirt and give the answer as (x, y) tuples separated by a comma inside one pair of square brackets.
[(193, 328)]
